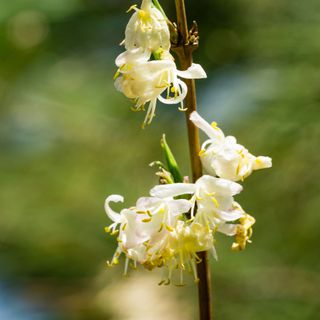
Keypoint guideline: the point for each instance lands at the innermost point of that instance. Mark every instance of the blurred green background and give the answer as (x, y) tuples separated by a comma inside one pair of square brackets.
[(68, 140)]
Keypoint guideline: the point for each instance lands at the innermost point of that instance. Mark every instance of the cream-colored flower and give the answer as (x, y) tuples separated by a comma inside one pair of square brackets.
[(144, 81), (223, 157), (213, 198), (182, 245), (143, 226), (147, 28)]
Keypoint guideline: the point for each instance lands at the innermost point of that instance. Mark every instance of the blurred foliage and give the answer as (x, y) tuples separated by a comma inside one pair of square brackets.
[(68, 139)]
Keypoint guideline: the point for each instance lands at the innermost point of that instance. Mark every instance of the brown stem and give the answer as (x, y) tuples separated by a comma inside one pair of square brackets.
[(184, 50)]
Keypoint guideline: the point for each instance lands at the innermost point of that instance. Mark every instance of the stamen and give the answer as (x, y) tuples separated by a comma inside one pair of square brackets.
[(116, 75), (194, 269), (161, 227), (170, 229), (133, 7), (126, 264), (215, 201), (114, 232)]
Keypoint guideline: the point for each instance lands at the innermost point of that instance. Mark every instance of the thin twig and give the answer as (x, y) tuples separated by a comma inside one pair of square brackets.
[(184, 50)]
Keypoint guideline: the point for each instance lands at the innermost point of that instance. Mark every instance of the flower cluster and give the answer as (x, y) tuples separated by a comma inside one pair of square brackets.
[(146, 70), (179, 220)]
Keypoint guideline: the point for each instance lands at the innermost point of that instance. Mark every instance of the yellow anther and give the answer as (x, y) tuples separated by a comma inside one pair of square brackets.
[(238, 169), (142, 14), (161, 210), (119, 240), (116, 75), (161, 227), (115, 261), (133, 7), (173, 90), (215, 201), (113, 233), (214, 125), (124, 227), (107, 229), (140, 212), (198, 198), (161, 87), (166, 283), (149, 213), (202, 152), (170, 229), (161, 282), (146, 220)]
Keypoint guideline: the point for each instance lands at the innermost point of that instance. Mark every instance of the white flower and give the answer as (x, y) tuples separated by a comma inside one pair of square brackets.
[(223, 156), (147, 28), (144, 226), (144, 81), (213, 198)]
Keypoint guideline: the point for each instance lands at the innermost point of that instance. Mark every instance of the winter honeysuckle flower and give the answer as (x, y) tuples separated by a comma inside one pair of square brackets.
[(182, 245), (147, 28), (223, 157), (144, 81), (143, 226), (213, 197), (243, 232)]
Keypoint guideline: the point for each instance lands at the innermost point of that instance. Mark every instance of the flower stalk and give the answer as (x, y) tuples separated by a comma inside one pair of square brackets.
[(187, 43)]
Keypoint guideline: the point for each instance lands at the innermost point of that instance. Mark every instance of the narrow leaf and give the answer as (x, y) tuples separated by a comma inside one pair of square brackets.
[(171, 161)]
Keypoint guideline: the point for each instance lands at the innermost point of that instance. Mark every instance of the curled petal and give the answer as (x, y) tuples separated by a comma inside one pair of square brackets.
[(195, 71), (211, 131), (184, 90), (114, 216)]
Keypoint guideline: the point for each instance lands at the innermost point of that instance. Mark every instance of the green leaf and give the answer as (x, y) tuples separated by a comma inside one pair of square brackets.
[(158, 6), (171, 161)]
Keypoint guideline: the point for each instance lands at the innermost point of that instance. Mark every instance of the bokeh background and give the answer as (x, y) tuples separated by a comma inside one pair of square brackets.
[(68, 140)]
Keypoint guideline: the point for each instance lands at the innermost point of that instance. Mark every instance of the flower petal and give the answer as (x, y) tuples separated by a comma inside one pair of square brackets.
[(204, 126), (114, 216), (132, 56), (172, 190), (195, 71), (180, 206), (228, 229), (222, 186), (262, 162)]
